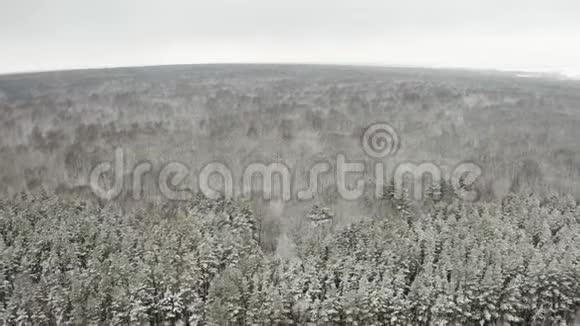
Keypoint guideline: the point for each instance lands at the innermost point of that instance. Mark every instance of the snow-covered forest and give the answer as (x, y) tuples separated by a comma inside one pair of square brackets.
[(290, 163), (66, 261), (67, 258)]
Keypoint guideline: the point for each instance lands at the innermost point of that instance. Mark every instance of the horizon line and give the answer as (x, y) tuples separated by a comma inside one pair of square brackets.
[(538, 73)]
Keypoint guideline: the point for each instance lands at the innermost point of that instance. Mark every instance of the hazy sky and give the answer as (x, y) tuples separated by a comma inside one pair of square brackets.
[(513, 35)]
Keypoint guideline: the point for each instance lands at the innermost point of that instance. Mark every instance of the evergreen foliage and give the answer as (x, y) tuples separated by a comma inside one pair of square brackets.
[(70, 262)]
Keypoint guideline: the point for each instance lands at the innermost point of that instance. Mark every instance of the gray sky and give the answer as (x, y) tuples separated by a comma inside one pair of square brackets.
[(512, 35)]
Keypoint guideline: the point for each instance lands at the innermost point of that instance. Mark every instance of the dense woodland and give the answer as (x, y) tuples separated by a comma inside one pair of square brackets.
[(55, 127), (512, 257), (65, 261)]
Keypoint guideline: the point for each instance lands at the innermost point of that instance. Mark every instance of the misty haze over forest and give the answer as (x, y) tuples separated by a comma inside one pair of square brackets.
[(289, 163)]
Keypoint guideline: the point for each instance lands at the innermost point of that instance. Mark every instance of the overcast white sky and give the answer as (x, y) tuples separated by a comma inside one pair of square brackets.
[(490, 34)]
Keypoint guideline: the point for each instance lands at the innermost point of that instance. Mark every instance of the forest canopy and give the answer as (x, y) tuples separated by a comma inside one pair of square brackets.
[(67, 261)]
